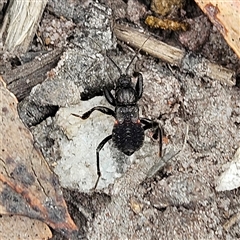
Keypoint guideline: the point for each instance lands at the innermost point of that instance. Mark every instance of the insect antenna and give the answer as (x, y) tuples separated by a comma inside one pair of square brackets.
[(127, 69), (118, 68)]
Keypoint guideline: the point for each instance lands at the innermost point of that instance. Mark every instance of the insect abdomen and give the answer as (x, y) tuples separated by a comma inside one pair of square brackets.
[(128, 137)]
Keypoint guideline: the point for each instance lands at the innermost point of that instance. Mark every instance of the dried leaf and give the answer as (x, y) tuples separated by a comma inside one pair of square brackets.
[(19, 227), (225, 16), (27, 185)]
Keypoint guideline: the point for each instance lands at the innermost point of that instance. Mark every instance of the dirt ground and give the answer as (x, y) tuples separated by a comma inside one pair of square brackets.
[(199, 116)]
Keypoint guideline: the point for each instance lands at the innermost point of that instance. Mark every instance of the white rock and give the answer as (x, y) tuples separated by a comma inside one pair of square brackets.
[(77, 168), (230, 178)]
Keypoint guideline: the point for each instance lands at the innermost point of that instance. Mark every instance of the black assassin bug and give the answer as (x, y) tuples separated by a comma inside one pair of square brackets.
[(128, 130)]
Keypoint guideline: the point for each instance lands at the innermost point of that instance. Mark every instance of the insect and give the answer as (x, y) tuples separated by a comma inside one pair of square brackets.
[(128, 129)]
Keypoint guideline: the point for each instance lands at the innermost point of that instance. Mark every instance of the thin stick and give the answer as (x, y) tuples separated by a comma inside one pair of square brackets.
[(197, 65)]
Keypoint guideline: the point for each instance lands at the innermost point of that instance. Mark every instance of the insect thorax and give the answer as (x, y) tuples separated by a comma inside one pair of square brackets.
[(126, 96), (127, 114)]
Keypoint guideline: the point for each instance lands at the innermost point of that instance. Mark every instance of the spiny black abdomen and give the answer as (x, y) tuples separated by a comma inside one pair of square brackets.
[(128, 137)]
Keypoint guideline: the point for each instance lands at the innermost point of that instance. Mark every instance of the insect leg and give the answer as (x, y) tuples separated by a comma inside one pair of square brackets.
[(139, 85), (109, 97), (102, 109), (158, 133), (100, 146), (148, 123)]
